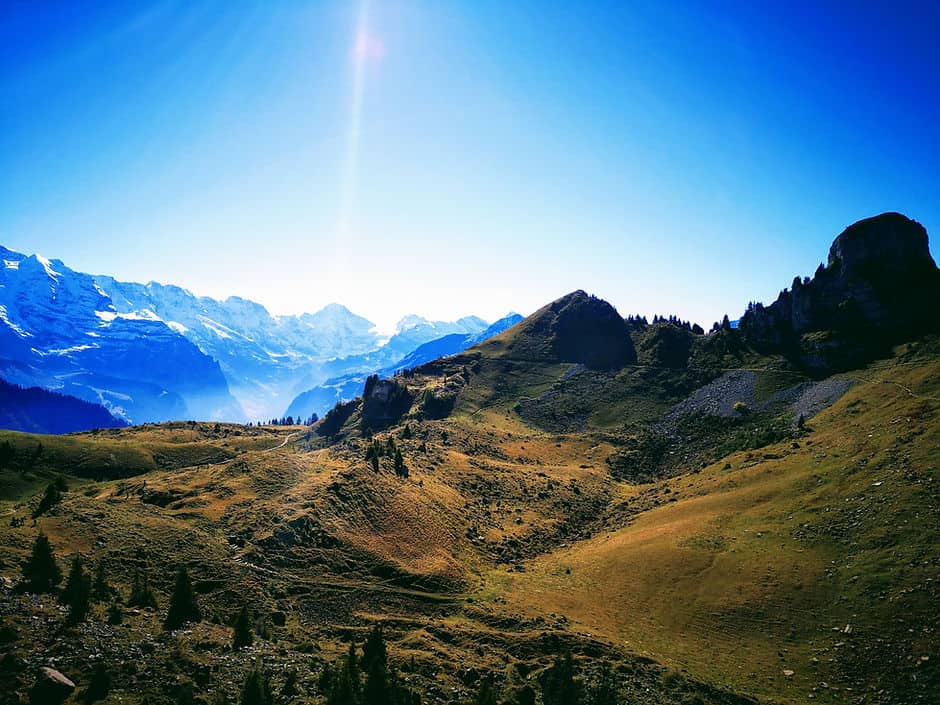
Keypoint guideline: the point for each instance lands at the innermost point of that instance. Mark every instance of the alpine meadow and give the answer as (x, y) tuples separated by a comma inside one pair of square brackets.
[(706, 475)]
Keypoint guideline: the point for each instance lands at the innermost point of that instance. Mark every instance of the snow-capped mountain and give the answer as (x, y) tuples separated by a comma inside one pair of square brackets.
[(320, 398), (156, 351), (261, 355), (61, 331)]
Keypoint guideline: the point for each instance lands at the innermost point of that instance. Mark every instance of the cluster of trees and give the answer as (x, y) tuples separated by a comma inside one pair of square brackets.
[(343, 684), (724, 325), (289, 421), (639, 322), (376, 450), (560, 685), (362, 677), (41, 575), (7, 454)]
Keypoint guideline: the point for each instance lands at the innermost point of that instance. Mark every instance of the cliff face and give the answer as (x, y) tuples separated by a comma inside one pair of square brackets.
[(879, 287)]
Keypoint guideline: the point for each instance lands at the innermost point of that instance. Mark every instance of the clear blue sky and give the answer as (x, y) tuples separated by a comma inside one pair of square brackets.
[(447, 158)]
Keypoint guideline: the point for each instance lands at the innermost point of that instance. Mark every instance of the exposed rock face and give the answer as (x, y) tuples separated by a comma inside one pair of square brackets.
[(384, 401), (576, 328), (880, 287)]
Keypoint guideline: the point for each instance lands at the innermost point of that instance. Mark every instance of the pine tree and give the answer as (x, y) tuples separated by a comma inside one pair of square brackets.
[(141, 594), (344, 683), (242, 635), (100, 589), (373, 453), (560, 686), (41, 573), (289, 689), (400, 468), (7, 454), (51, 497), (375, 664), (98, 686), (376, 690), (526, 695), (183, 605), (486, 695), (256, 689), (77, 592)]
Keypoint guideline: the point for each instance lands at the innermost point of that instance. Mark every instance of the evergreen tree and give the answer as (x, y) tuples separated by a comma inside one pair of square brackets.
[(374, 648), (77, 592), (256, 689), (376, 690), (141, 594), (183, 605), (344, 685), (115, 614), (375, 664), (41, 573), (373, 453), (400, 468), (290, 689), (604, 691), (242, 635), (526, 695), (560, 686), (51, 497), (7, 454), (99, 686), (486, 695), (100, 589)]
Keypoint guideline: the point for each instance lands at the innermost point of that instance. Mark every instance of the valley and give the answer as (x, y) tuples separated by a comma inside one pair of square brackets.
[(693, 518)]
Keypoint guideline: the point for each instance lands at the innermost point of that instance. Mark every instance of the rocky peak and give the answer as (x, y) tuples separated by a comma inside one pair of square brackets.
[(879, 288), (887, 243)]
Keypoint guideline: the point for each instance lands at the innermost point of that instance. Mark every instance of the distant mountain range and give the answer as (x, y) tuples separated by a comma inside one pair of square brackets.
[(152, 352), (323, 397)]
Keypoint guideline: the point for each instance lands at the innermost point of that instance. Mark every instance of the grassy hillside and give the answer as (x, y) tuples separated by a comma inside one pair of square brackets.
[(507, 534)]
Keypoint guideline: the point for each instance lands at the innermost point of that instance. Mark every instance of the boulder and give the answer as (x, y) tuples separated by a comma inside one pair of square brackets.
[(51, 688)]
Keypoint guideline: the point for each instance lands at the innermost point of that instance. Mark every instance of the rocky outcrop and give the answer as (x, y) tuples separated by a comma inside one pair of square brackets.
[(879, 287), (384, 402)]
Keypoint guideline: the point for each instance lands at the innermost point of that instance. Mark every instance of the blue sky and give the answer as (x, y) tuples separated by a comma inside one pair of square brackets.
[(447, 158)]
